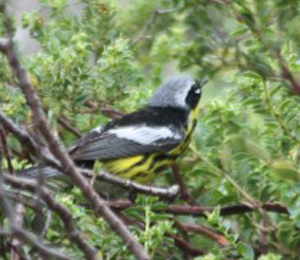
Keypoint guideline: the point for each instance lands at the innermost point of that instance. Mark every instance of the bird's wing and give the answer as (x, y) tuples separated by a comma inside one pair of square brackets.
[(125, 141)]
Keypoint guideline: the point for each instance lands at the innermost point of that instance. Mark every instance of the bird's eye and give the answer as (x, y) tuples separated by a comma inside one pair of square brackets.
[(198, 91), (193, 96)]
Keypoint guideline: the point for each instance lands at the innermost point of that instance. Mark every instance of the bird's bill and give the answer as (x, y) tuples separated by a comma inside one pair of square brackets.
[(203, 82)]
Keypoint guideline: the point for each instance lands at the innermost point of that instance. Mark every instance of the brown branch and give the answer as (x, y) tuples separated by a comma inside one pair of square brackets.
[(6, 150), (225, 211), (149, 24), (64, 122), (200, 211), (145, 30), (27, 140), (184, 194), (16, 242), (22, 155), (90, 104), (6, 205), (169, 192), (73, 233), (186, 246), (204, 231), (3, 44), (99, 206), (16, 231), (67, 125), (41, 248), (17, 245), (274, 52), (29, 238), (112, 112), (263, 247), (46, 227)]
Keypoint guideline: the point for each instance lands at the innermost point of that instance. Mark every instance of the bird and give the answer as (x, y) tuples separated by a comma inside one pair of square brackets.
[(141, 145)]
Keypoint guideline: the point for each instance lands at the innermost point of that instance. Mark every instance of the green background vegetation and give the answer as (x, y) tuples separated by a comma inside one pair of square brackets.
[(115, 54)]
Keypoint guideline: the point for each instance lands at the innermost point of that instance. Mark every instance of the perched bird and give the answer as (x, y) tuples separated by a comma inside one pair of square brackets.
[(140, 145)]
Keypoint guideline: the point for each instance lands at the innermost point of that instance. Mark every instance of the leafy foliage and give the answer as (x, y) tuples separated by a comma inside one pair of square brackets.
[(246, 145)]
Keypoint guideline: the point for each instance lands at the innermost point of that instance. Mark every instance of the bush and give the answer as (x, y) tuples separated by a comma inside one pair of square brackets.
[(243, 164)]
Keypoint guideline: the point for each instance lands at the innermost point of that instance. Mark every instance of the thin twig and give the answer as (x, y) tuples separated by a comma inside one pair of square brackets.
[(149, 24), (184, 194), (3, 44), (46, 227), (204, 231), (275, 114), (73, 233), (222, 172), (21, 133), (186, 246), (67, 125), (64, 122), (43, 249), (6, 150), (15, 220), (274, 52), (19, 219), (145, 30), (112, 112)]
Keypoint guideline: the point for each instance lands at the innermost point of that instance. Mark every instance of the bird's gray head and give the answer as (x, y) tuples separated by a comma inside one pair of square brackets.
[(183, 92)]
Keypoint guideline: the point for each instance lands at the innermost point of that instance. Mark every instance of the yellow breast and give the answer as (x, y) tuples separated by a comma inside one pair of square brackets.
[(144, 168)]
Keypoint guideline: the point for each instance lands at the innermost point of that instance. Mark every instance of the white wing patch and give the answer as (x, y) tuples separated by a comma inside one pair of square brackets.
[(98, 129), (145, 135)]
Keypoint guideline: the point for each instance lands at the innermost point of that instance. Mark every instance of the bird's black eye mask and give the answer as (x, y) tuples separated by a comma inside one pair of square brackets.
[(194, 95)]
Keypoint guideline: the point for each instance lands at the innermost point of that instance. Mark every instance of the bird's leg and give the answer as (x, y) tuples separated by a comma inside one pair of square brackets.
[(184, 194), (132, 195)]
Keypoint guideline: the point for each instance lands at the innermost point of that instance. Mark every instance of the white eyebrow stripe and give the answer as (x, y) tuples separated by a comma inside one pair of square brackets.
[(145, 135)]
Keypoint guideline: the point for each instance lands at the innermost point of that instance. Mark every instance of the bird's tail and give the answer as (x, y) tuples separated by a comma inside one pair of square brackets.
[(56, 179), (35, 172)]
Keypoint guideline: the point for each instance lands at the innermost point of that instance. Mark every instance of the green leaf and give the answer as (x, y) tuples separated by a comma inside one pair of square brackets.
[(286, 171), (246, 251)]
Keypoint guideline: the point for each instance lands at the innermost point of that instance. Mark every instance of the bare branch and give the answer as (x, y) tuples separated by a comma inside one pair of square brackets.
[(67, 125), (5, 203), (27, 140), (31, 239), (6, 150), (44, 231), (200, 211), (145, 30), (204, 231), (186, 246), (56, 147), (170, 192), (16, 242), (64, 122), (16, 229), (44, 250), (149, 24), (3, 44), (274, 52), (184, 194), (66, 216), (112, 112)]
